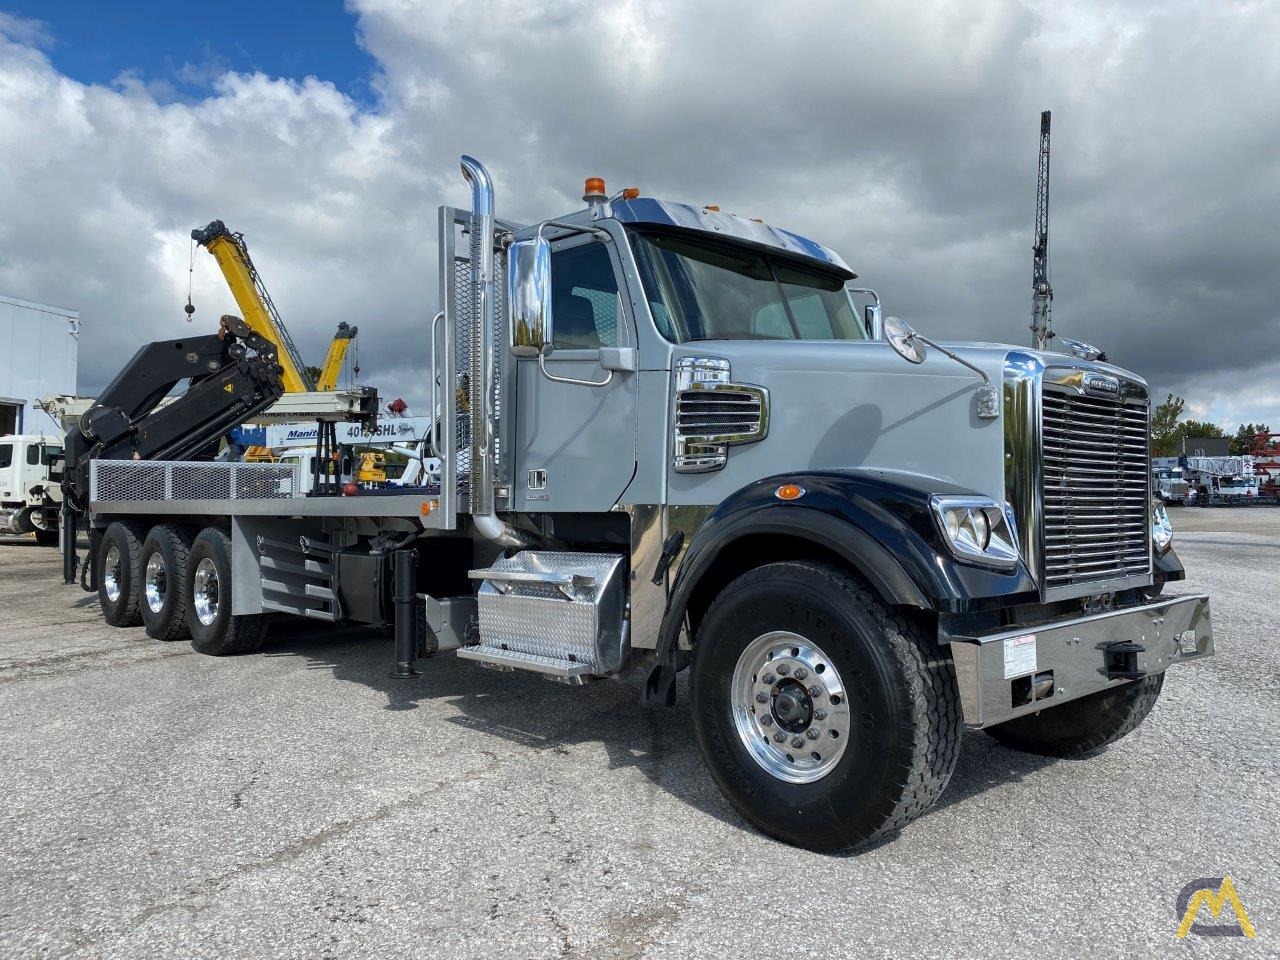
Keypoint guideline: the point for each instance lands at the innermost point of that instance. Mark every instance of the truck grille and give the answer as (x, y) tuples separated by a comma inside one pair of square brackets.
[(1096, 488)]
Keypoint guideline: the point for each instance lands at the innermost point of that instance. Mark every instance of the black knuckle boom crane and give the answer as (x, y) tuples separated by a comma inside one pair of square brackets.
[(234, 375)]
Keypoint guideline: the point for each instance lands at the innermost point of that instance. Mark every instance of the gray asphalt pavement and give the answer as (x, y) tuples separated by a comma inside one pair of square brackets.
[(298, 802)]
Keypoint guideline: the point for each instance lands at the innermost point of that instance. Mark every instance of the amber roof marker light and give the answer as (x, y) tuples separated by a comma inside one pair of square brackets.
[(789, 491), (594, 189)]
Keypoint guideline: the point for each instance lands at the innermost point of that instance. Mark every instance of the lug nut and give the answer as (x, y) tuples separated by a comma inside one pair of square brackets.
[(762, 698), (783, 669), (797, 742), (812, 734), (819, 714), (766, 721), (801, 673), (815, 691), (768, 678), (778, 738)]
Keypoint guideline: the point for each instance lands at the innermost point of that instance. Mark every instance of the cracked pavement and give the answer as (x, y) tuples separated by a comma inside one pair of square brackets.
[(298, 802)]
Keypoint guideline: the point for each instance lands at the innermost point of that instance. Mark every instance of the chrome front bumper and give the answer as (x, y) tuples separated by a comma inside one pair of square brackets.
[(1021, 671)]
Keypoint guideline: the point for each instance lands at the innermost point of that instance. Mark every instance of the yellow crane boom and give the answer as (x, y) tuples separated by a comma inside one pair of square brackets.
[(259, 312), (335, 356)]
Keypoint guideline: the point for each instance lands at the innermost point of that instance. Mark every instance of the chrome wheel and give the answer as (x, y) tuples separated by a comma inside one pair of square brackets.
[(155, 582), (789, 707), (111, 574), (204, 595)]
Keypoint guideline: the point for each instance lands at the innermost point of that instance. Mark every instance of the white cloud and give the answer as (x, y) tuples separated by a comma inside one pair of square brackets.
[(902, 135)]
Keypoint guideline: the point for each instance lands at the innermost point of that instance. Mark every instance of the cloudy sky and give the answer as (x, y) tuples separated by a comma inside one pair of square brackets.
[(903, 135)]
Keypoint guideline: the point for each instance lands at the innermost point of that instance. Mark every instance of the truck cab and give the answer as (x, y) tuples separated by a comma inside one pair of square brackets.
[(30, 495)]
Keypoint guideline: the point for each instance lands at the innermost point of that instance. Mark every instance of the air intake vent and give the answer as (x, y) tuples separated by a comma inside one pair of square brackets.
[(715, 413), (712, 413)]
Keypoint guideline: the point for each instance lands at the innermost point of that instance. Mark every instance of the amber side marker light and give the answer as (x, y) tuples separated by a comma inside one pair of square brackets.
[(425, 509), (789, 491), (630, 193)]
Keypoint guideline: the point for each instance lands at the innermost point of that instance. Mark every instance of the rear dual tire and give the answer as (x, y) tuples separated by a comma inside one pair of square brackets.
[(163, 564), (176, 584), (214, 629)]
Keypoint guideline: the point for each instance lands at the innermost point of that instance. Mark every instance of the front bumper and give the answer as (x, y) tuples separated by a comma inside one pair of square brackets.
[(1028, 669)]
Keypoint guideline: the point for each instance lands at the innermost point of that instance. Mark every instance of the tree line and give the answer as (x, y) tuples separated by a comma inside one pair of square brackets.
[(1168, 430)]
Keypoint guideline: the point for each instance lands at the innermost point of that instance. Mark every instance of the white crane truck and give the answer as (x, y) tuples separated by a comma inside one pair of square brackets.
[(669, 440)]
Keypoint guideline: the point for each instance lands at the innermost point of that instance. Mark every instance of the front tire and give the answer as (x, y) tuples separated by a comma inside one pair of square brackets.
[(214, 630), (875, 679), (163, 603), (1081, 727)]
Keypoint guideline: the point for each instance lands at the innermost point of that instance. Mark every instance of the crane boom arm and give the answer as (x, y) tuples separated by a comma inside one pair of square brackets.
[(335, 356), (255, 303), (1041, 290)]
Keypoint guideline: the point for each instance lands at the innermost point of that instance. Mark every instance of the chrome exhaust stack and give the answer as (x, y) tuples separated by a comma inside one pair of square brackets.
[(480, 377)]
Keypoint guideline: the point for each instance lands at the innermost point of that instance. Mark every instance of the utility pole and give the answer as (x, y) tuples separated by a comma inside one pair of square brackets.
[(1041, 291)]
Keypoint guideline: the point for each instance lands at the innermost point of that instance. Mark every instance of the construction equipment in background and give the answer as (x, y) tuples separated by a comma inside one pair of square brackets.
[(260, 313), (335, 356), (1265, 451), (1041, 290)]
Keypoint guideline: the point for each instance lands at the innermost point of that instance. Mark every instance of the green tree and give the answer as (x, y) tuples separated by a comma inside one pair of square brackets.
[(1196, 428), (1164, 427), (314, 371), (1242, 442)]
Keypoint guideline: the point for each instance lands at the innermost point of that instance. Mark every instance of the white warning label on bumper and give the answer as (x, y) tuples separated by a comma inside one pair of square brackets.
[(1019, 656)]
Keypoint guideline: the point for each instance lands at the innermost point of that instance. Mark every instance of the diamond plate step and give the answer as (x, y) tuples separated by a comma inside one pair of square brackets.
[(566, 671)]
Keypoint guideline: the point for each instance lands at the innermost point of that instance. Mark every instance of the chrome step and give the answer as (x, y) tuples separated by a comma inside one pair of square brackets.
[(566, 671)]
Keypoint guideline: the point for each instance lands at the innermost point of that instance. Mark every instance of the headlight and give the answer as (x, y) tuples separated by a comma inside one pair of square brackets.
[(977, 529), (1161, 527)]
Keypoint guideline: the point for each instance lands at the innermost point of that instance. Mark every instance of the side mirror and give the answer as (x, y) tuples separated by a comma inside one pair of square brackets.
[(906, 342), (871, 320), (529, 294)]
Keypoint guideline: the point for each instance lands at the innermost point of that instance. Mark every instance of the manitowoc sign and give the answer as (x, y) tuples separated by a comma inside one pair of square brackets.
[(388, 431)]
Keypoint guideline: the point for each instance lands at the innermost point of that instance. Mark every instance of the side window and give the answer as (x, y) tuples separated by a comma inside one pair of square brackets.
[(811, 317), (771, 322), (33, 454), (584, 298), (50, 452), (6, 455)]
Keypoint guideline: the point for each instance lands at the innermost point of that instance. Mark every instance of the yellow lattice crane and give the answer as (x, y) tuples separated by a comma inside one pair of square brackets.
[(335, 356), (260, 313)]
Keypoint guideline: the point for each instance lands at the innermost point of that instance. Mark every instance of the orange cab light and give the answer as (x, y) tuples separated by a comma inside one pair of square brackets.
[(594, 189), (630, 193), (713, 207), (789, 491)]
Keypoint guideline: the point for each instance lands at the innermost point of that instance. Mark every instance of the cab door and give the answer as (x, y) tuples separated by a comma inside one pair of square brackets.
[(575, 444)]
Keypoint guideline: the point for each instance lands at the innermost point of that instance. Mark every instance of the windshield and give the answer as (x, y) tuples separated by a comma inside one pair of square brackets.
[(703, 290)]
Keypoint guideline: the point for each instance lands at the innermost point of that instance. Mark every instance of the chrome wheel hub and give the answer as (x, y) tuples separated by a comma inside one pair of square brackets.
[(204, 595), (111, 574), (789, 707), (155, 583)]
